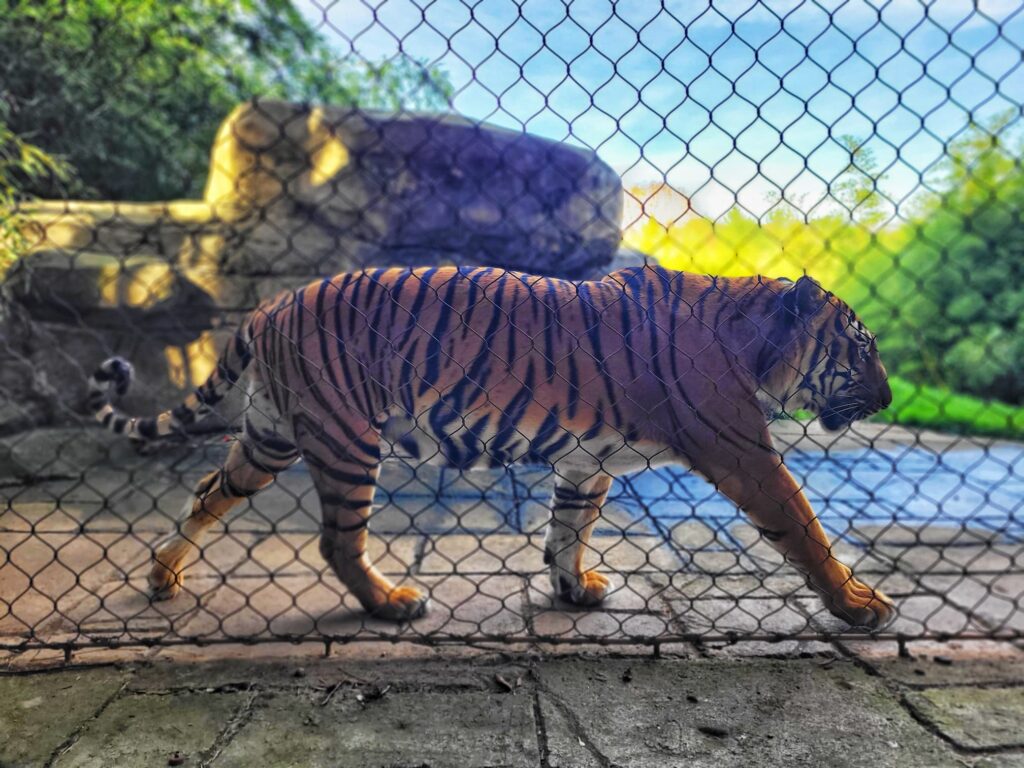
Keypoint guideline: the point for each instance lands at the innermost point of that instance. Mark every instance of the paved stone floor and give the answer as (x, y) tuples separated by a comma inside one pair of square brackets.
[(757, 674), (399, 706), (935, 521)]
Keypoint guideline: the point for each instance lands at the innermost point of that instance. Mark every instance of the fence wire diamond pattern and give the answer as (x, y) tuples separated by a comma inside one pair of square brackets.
[(550, 185)]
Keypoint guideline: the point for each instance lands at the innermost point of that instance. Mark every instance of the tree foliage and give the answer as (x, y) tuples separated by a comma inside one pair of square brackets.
[(942, 286), (130, 92), (21, 164), (967, 257)]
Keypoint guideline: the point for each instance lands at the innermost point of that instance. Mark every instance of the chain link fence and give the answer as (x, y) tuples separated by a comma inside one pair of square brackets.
[(454, 259)]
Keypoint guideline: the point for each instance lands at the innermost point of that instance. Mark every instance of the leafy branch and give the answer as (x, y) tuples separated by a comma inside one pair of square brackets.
[(20, 163)]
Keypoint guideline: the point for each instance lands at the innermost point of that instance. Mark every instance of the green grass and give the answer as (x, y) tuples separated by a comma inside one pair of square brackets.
[(937, 408), (940, 409)]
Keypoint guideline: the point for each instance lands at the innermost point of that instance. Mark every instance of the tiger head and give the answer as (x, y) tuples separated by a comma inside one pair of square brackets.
[(820, 357)]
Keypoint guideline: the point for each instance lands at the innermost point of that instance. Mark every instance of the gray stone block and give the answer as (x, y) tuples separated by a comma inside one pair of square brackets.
[(339, 188), (697, 713), (974, 718), (442, 730), (36, 719), (137, 730)]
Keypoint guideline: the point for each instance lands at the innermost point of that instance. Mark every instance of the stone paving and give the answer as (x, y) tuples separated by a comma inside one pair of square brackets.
[(754, 674), (933, 520), (402, 706)]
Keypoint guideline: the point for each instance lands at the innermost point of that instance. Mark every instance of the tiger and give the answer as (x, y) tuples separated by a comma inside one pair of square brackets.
[(485, 367)]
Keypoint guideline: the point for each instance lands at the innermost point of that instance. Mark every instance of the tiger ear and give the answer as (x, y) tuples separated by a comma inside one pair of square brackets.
[(804, 297)]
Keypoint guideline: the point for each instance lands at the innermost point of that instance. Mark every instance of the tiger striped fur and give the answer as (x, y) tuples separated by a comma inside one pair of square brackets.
[(485, 367)]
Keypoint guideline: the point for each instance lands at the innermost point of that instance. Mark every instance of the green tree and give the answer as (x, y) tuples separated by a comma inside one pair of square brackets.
[(944, 289), (856, 188), (968, 261), (21, 164), (131, 92)]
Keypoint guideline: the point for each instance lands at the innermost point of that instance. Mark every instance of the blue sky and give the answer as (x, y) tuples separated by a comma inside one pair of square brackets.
[(729, 101)]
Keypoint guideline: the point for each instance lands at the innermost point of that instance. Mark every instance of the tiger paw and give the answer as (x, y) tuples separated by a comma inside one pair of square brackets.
[(861, 606), (166, 576), (164, 582), (403, 604), (590, 588)]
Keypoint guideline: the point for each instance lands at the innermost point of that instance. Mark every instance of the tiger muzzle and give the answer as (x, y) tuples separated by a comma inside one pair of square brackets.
[(884, 395)]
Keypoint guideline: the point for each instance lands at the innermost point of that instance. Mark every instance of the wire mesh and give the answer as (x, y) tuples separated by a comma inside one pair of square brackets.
[(458, 254)]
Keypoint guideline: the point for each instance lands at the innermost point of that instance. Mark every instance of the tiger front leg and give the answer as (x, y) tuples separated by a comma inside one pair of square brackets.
[(574, 512), (763, 487)]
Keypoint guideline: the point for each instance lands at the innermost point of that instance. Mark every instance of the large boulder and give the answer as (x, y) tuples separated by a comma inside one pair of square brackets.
[(314, 190)]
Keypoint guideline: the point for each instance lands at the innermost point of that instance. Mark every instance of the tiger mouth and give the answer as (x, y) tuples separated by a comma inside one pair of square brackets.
[(836, 416)]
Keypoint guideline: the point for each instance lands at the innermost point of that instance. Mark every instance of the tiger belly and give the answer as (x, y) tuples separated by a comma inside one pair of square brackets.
[(608, 452)]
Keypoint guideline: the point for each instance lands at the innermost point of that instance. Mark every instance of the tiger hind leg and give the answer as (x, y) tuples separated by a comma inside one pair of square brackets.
[(244, 474), (345, 475), (574, 512), (253, 463)]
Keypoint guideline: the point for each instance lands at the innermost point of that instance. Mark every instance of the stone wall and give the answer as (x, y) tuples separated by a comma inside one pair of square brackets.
[(293, 192)]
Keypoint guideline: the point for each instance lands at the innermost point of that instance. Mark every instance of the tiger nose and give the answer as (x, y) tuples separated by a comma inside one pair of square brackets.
[(885, 395)]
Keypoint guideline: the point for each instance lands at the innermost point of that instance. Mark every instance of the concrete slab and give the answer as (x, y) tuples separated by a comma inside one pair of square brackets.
[(692, 713), (521, 554), (439, 729), (148, 730), (284, 606), (741, 605), (75, 545), (977, 662), (40, 712), (241, 670), (292, 606), (760, 551), (298, 554), (118, 607), (945, 669), (916, 615), (1004, 760), (634, 610), (641, 553), (764, 649), (467, 555), (714, 549), (44, 574), (566, 748), (989, 595), (382, 706), (461, 606), (974, 718)]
